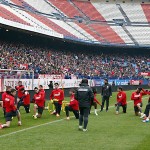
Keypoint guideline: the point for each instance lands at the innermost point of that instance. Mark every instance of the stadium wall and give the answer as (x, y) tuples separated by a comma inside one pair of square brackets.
[(114, 89), (30, 84)]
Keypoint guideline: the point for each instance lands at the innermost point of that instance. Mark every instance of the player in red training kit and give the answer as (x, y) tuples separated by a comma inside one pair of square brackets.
[(18, 88), (137, 98), (95, 101), (39, 103), (42, 91), (11, 110), (73, 105), (8, 89), (121, 100), (24, 100), (57, 95)]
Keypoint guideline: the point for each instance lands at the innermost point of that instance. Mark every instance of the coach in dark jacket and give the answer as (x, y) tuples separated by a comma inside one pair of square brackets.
[(106, 93), (84, 95)]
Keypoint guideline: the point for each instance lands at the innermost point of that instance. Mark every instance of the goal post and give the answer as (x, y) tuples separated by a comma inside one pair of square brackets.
[(9, 77)]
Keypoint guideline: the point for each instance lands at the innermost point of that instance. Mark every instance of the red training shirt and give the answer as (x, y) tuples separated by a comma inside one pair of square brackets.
[(43, 92), (10, 103), (73, 103), (137, 97), (18, 88), (39, 99), (26, 99), (57, 94), (122, 98)]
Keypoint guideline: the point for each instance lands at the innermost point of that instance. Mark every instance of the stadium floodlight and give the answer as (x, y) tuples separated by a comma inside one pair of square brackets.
[(119, 22), (57, 16), (79, 19), (9, 77)]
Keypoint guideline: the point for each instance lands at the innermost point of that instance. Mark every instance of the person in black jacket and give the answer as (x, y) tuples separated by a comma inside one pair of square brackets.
[(85, 96), (106, 93), (50, 85)]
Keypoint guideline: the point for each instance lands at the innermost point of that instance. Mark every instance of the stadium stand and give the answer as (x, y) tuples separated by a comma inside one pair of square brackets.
[(141, 34), (146, 8), (6, 14), (59, 26), (100, 31), (90, 21), (134, 12), (44, 60), (85, 21)]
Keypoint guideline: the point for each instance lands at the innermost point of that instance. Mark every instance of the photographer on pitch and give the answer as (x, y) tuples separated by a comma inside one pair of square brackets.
[(84, 95), (106, 93)]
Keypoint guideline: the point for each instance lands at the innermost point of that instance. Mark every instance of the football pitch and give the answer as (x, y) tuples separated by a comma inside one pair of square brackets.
[(106, 131)]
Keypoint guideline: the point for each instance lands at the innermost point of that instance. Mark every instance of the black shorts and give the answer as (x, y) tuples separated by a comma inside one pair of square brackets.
[(40, 110), (27, 108), (93, 103), (136, 109), (11, 114)]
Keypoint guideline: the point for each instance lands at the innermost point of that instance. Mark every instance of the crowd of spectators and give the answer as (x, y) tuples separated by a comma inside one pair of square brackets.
[(71, 64)]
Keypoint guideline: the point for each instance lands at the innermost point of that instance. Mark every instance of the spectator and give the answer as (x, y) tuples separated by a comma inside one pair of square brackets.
[(70, 64)]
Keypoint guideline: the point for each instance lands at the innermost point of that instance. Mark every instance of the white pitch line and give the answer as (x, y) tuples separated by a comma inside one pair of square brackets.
[(55, 121), (31, 128)]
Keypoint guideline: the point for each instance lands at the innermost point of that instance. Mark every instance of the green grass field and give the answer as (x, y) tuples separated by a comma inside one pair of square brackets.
[(106, 131)]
